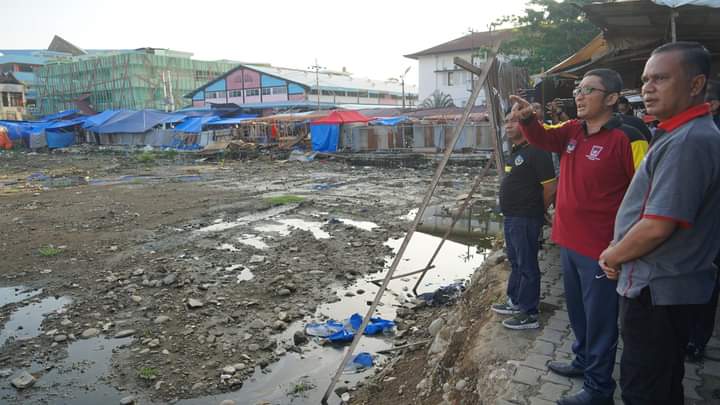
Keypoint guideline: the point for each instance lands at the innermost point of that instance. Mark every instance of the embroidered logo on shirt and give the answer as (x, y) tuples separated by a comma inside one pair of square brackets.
[(571, 146), (594, 153), (519, 160)]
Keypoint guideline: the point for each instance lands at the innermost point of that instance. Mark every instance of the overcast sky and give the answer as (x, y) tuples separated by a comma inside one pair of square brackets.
[(368, 37)]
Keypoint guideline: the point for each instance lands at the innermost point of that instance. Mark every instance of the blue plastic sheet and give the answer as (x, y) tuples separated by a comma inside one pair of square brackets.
[(58, 139), (345, 331), (60, 115), (194, 125), (136, 122), (389, 121), (325, 137)]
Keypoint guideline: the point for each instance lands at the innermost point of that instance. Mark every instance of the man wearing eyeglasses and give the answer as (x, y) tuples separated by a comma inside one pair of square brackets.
[(599, 157)]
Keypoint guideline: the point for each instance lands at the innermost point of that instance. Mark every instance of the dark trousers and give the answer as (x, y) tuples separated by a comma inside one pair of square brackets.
[(521, 239), (702, 330), (653, 358), (593, 309)]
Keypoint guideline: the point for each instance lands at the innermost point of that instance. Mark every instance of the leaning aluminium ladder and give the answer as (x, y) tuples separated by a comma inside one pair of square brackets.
[(482, 74)]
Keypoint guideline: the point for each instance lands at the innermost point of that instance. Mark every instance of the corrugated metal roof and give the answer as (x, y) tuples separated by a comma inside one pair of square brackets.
[(334, 81), (468, 42)]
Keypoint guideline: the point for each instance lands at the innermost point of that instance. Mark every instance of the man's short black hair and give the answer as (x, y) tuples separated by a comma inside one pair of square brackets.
[(609, 78), (696, 58)]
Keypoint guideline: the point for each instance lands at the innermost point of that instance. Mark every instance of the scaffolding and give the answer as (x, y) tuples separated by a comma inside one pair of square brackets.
[(123, 80)]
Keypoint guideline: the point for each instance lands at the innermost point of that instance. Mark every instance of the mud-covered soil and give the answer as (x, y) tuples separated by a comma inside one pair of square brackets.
[(185, 272)]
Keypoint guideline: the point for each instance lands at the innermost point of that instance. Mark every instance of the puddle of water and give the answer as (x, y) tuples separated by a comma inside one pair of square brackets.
[(477, 226), (410, 216), (318, 364), (11, 295), (228, 247), (269, 213), (314, 227), (24, 322), (253, 240), (245, 275), (364, 225), (283, 227), (74, 380)]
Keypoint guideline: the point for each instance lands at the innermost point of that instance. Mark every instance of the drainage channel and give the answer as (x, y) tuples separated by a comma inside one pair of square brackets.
[(300, 378)]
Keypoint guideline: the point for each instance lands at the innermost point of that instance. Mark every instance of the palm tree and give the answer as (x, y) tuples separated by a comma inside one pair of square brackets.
[(438, 99)]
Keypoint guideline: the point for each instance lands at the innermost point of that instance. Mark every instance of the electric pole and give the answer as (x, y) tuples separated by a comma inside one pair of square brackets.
[(402, 84), (317, 68)]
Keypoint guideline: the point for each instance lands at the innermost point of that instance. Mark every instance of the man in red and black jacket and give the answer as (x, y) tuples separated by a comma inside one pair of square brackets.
[(599, 157)]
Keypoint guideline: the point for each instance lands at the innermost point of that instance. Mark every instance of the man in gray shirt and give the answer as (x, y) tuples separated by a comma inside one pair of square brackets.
[(667, 227)]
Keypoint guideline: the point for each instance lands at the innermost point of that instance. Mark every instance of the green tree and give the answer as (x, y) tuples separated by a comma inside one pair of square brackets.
[(547, 32), (437, 99)]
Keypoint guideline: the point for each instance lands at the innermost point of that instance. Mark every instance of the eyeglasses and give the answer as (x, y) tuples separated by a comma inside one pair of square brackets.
[(586, 91)]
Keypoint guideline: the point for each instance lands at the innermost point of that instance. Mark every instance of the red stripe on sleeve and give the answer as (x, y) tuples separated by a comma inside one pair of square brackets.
[(680, 223)]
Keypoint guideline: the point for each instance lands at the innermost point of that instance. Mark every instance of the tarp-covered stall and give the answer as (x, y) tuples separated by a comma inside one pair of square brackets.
[(325, 137), (325, 132)]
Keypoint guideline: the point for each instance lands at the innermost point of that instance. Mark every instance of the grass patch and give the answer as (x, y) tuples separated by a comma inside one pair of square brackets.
[(49, 251), (301, 388), (145, 157), (284, 199), (169, 154), (147, 373)]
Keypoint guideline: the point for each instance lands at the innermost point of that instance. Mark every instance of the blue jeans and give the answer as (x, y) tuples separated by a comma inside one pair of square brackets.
[(521, 240), (592, 305)]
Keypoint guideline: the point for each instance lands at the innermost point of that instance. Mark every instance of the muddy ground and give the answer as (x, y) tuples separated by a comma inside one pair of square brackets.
[(167, 278)]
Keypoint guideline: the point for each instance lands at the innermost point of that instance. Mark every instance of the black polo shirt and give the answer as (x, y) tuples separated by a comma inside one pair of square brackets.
[(521, 191)]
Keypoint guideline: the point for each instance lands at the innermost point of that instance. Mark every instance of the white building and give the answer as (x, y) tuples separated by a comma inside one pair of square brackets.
[(12, 98), (438, 72)]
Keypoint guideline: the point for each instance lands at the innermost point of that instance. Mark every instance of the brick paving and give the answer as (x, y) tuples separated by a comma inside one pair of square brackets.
[(533, 384)]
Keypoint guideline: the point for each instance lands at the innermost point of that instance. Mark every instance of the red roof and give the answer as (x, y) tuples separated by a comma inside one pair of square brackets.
[(342, 117)]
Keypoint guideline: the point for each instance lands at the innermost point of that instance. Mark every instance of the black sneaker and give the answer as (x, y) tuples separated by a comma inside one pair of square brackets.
[(522, 321), (505, 309)]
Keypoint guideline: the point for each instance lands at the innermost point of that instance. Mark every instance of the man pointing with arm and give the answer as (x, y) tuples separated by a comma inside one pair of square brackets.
[(599, 157)]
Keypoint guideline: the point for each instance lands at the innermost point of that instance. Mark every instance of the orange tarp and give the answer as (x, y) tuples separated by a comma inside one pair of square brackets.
[(5, 142)]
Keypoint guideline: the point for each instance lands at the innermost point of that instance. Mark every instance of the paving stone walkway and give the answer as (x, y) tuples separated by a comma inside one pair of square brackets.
[(533, 384)]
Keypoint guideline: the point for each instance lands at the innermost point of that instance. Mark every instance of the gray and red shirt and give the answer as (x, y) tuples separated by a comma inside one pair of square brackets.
[(679, 181)]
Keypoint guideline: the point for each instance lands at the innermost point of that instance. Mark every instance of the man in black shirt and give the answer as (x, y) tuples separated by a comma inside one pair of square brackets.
[(525, 193)]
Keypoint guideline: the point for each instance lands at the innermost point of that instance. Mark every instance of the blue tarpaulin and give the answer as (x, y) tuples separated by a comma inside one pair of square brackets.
[(65, 124), (60, 115), (344, 332), (136, 122), (325, 137), (59, 139), (389, 121), (99, 119), (194, 124), (231, 120)]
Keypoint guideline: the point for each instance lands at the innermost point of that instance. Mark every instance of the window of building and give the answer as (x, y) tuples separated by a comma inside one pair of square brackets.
[(373, 95), (279, 90), (252, 92), (211, 94), (326, 93), (235, 93), (25, 68), (313, 91), (363, 94), (352, 93), (266, 91), (12, 99), (450, 78), (201, 76)]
